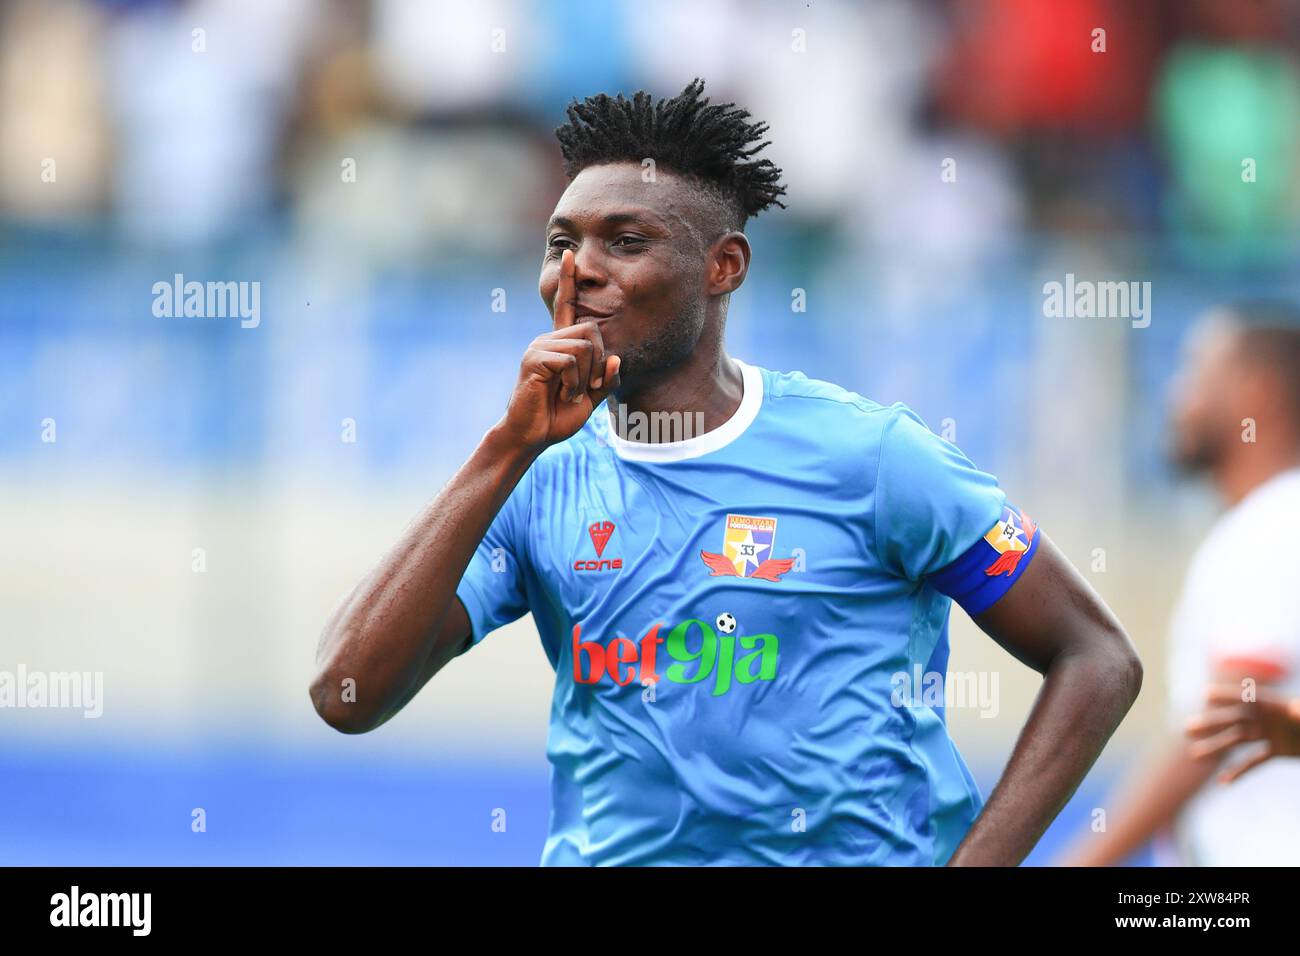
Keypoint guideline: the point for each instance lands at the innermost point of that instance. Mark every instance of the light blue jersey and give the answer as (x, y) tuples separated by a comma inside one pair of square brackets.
[(728, 617)]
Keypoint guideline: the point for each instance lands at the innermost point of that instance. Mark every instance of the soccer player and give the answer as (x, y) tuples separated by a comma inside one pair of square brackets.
[(733, 615), (1236, 626)]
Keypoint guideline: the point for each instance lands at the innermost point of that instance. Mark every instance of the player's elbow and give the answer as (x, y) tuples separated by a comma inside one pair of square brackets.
[(1102, 657), (1123, 664), (333, 704), (1133, 672)]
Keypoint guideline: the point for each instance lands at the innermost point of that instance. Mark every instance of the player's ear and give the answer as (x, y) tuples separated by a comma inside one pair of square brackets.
[(728, 263)]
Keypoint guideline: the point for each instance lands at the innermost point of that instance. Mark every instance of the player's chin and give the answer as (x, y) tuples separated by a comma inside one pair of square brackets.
[(1190, 457), (611, 334)]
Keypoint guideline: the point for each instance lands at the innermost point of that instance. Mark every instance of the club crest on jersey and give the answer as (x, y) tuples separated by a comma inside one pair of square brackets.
[(600, 532), (747, 547), (1010, 538)]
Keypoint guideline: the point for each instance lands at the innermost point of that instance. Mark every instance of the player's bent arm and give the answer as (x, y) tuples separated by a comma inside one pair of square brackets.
[(455, 633), (402, 623), (1054, 622)]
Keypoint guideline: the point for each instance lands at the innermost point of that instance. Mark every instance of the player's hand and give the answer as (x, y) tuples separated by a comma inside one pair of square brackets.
[(1272, 718), (564, 376)]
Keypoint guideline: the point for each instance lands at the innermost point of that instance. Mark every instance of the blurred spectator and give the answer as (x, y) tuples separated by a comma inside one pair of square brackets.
[(199, 94), (1229, 120), (52, 123)]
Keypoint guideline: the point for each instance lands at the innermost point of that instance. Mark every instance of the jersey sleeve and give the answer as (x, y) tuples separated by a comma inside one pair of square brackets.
[(493, 588), (941, 519)]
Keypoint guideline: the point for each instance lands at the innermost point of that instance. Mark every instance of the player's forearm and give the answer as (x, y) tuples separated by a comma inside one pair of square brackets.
[(1085, 695), (386, 635), (1150, 799)]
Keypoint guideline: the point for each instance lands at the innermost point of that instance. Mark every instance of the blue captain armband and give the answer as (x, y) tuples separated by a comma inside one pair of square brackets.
[(987, 569)]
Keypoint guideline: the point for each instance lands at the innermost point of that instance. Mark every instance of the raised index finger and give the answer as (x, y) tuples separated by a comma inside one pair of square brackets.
[(566, 293)]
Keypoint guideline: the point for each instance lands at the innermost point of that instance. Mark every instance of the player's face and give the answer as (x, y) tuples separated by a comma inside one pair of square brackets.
[(1205, 409), (640, 257)]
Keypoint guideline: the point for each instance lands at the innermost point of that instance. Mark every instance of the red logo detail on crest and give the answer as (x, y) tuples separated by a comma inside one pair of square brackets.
[(600, 534), (770, 570)]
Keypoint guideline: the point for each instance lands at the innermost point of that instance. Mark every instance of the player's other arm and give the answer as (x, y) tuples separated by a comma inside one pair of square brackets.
[(1053, 621), (1148, 801), (1153, 796), (1269, 716), (403, 622)]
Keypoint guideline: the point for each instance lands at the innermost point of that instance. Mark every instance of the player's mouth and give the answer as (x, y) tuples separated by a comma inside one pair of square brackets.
[(587, 312)]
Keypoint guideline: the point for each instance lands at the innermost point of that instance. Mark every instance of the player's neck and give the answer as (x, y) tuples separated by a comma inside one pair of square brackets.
[(708, 383), (1251, 465)]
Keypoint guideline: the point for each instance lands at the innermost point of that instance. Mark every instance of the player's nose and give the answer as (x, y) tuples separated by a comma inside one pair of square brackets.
[(589, 272)]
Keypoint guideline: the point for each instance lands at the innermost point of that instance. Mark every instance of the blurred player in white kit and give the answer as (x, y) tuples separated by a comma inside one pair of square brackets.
[(1236, 627)]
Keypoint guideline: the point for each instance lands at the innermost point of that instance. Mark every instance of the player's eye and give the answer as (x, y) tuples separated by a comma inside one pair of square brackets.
[(557, 244), (630, 242)]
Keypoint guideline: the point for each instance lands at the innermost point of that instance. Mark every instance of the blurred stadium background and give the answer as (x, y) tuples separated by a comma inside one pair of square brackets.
[(214, 139)]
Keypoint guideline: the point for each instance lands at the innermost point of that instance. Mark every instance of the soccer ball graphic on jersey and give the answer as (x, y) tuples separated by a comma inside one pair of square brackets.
[(726, 623)]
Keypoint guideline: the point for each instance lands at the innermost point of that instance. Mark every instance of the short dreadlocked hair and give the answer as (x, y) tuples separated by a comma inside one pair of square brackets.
[(712, 144)]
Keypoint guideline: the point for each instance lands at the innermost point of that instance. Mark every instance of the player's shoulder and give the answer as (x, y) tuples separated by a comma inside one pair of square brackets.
[(1266, 520), (1280, 494), (795, 387), (800, 396)]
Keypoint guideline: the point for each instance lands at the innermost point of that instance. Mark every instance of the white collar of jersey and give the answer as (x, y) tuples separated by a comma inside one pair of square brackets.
[(751, 400)]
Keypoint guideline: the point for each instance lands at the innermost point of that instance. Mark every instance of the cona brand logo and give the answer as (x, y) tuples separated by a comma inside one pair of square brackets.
[(600, 532), (694, 653)]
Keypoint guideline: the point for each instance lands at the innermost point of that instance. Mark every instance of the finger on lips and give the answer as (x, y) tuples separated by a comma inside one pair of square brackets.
[(582, 340), (566, 292)]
